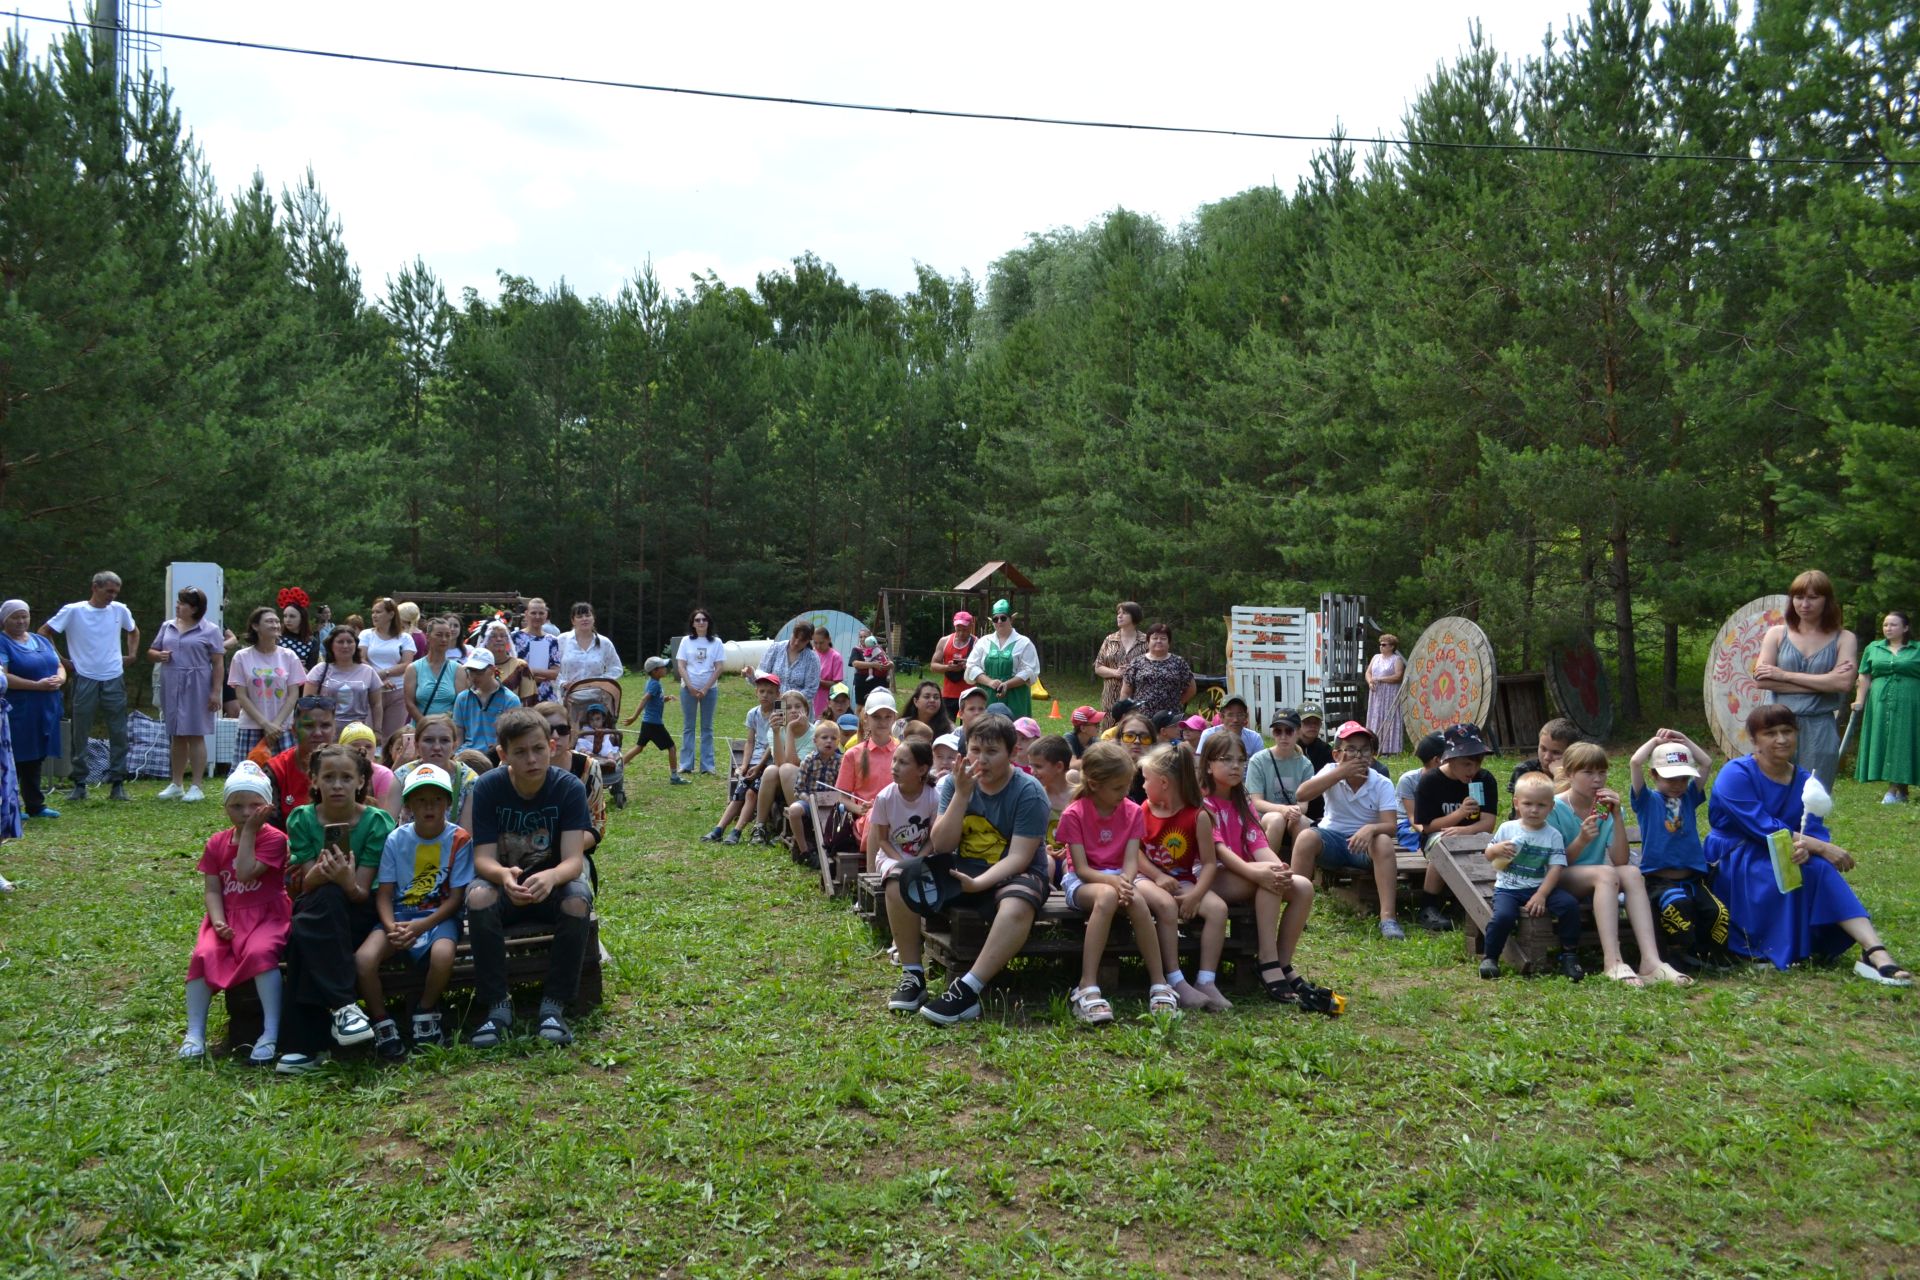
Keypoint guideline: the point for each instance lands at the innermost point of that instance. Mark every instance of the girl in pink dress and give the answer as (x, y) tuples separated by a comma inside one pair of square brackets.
[(248, 913)]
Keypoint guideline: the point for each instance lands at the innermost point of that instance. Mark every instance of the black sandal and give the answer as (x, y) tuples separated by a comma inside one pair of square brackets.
[(1889, 974), (1281, 990)]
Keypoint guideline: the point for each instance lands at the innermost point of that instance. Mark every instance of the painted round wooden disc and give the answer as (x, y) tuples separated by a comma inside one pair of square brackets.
[(1731, 695), (1581, 688), (1450, 678)]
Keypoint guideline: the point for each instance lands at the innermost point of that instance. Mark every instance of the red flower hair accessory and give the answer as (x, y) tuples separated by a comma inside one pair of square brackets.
[(291, 595)]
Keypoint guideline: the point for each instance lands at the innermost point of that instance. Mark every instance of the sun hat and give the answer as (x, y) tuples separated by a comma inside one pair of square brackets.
[(358, 732), (1463, 740), (1088, 715), (427, 775), (1027, 727), (880, 700), (1673, 760), (248, 778), (927, 885)]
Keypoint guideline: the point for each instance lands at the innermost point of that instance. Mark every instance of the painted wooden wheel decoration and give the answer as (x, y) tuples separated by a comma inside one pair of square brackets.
[(1581, 688), (1731, 695), (1450, 678)]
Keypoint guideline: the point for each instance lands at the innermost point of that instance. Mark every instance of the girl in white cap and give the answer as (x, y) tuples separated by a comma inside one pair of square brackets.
[(248, 913)]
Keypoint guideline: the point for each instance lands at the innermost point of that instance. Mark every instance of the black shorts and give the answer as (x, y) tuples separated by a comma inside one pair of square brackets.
[(1030, 886), (654, 734)]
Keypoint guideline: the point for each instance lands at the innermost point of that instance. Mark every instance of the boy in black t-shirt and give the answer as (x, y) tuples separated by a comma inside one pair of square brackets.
[(1460, 796), (529, 833)]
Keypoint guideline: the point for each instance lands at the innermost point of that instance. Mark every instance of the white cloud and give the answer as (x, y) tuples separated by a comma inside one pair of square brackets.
[(477, 174)]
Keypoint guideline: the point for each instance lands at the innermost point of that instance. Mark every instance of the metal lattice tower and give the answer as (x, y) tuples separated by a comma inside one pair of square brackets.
[(121, 32)]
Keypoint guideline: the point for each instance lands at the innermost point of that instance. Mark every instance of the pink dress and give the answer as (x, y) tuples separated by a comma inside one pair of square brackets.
[(259, 913), (833, 669), (1383, 708)]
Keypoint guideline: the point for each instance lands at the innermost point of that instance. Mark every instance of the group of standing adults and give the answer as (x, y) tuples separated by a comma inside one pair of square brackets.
[(387, 675)]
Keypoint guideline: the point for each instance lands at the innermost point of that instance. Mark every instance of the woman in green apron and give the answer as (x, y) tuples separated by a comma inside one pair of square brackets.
[(1005, 663)]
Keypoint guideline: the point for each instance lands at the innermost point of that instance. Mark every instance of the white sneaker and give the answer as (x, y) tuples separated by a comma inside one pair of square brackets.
[(6, 885), (350, 1026), (1892, 797), (194, 795), (172, 791)]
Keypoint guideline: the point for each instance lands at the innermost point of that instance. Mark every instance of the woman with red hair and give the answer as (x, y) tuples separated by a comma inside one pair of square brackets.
[(1808, 664)]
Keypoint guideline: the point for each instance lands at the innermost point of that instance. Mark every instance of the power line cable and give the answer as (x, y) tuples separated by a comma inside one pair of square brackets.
[(418, 64)]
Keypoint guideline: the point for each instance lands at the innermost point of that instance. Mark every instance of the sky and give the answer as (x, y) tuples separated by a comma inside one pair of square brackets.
[(479, 174)]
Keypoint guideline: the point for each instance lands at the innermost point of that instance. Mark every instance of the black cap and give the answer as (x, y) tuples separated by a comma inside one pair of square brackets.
[(1463, 740)]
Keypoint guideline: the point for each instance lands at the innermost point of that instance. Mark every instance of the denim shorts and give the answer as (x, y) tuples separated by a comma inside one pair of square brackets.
[(423, 946), (1334, 851)]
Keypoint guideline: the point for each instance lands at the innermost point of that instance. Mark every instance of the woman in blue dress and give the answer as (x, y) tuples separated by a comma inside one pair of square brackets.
[(34, 677), (1753, 797)]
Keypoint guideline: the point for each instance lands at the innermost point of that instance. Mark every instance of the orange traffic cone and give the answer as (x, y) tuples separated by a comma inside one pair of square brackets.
[(1055, 713)]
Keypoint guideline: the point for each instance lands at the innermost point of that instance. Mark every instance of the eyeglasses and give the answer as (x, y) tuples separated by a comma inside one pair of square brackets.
[(1358, 753), (1136, 739)]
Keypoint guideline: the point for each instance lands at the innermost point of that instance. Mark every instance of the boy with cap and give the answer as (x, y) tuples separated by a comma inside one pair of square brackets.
[(972, 706), (1233, 720), (1691, 920), (744, 797), (1357, 831), (840, 702), (1311, 743), (950, 661), (1460, 797), (653, 722), (425, 869), (1086, 729), (1005, 662), (479, 706)]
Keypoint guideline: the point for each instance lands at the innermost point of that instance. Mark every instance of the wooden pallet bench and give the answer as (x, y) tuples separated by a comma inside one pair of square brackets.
[(953, 941), (529, 948), (1531, 947), (1354, 886)]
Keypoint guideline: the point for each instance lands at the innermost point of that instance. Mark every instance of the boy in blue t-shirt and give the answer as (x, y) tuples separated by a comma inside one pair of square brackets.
[(653, 724), (1692, 922), (425, 869)]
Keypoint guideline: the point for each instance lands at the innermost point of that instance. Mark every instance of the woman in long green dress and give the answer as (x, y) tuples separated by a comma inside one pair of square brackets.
[(1887, 701)]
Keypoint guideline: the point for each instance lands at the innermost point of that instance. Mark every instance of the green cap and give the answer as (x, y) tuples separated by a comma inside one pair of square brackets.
[(1001, 607)]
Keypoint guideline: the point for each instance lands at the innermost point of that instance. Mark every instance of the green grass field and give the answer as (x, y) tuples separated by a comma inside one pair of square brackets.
[(744, 1105)]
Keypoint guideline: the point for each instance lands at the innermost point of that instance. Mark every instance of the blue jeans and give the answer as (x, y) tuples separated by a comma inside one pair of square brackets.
[(1507, 907), (707, 706)]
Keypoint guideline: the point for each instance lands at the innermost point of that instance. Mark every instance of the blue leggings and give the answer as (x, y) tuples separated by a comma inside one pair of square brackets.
[(1507, 909)]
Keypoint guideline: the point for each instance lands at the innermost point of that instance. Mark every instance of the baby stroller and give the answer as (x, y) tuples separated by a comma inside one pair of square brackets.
[(605, 745)]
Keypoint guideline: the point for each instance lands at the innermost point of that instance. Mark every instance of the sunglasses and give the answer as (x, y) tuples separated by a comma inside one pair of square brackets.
[(1136, 739), (559, 730)]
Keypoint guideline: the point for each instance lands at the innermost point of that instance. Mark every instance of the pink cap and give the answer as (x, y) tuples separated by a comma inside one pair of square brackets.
[(1027, 727), (1088, 715), (963, 618), (758, 676), (1195, 723), (1350, 728)]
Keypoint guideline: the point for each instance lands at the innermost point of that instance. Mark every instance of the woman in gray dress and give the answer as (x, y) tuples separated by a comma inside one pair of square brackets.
[(1809, 665), (191, 654)]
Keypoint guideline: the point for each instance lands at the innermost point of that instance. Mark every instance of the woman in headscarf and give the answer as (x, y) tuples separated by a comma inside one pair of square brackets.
[(34, 677)]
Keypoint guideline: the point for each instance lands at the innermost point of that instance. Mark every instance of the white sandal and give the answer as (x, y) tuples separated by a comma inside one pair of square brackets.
[(1667, 973), (1160, 999), (1090, 1007)]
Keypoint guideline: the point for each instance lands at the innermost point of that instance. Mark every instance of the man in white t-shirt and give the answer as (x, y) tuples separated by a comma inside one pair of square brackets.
[(1357, 831), (101, 640)]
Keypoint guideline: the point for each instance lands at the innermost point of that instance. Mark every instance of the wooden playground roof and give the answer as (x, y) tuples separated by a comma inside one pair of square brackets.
[(991, 567)]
